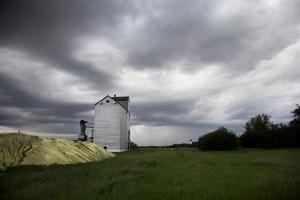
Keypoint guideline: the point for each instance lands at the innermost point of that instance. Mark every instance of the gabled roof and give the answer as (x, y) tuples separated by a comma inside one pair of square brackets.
[(123, 101), (125, 98)]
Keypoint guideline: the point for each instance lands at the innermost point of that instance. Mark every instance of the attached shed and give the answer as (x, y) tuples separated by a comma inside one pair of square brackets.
[(112, 123)]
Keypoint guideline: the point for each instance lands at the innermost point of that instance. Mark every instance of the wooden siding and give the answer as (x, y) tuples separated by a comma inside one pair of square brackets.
[(123, 131), (111, 125)]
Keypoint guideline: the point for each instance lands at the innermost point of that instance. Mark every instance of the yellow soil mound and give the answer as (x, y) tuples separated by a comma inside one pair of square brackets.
[(20, 149)]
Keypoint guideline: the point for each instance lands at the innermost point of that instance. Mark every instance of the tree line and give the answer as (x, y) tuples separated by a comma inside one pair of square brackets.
[(259, 132)]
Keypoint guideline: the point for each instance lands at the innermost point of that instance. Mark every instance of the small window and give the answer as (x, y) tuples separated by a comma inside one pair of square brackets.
[(107, 101)]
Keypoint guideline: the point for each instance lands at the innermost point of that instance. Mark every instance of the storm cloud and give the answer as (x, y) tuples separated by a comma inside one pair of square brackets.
[(188, 66)]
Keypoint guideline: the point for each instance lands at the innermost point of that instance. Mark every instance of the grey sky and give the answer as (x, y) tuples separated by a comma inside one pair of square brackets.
[(188, 66)]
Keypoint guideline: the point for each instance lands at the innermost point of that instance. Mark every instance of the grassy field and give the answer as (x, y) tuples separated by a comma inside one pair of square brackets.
[(163, 174)]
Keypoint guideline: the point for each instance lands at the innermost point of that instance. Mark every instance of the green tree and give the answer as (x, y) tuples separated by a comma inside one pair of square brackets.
[(296, 116), (259, 123), (256, 133), (295, 125)]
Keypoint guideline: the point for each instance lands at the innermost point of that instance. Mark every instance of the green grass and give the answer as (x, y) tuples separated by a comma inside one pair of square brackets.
[(163, 174)]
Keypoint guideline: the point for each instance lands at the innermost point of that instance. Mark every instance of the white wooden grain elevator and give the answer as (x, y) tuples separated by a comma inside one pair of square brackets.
[(112, 123)]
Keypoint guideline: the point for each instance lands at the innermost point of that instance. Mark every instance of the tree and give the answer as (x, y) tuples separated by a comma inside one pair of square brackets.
[(259, 123), (295, 125), (256, 131), (261, 132), (296, 116)]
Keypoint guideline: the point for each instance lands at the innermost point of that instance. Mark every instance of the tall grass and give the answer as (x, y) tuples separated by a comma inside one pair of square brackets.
[(163, 174)]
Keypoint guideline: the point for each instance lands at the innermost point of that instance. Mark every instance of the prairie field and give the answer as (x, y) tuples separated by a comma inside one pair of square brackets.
[(168, 173)]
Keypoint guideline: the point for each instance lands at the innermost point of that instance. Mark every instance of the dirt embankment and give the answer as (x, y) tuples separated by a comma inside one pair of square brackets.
[(21, 149)]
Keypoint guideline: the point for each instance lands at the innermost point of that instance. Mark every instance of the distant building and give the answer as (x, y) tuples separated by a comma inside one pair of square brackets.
[(112, 123)]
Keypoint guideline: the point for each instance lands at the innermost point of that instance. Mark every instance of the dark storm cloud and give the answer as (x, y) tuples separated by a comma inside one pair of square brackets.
[(161, 113), (170, 107), (194, 65), (172, 113), (40, 110), (194, 32), (47, 29), (9, 119)]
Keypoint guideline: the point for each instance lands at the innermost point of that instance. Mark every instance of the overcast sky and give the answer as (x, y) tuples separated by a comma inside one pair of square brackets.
[(188, 66)]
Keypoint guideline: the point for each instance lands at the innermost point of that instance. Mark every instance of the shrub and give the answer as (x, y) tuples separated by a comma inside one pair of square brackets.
[(221, 139), (133, 145)]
